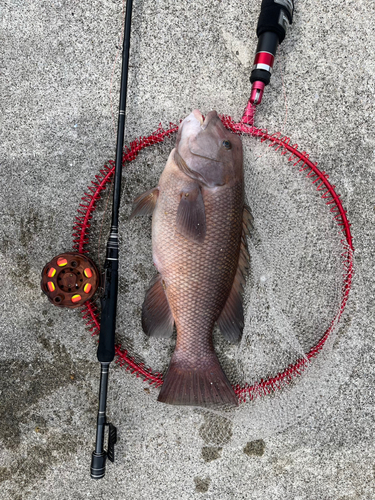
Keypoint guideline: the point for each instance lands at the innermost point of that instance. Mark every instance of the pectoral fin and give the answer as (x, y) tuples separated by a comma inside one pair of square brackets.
[(145, 203), (157, 318), (191, 217), (231, 319)]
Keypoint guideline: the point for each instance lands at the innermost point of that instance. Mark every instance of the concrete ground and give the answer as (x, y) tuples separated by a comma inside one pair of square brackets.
[(57, 131)]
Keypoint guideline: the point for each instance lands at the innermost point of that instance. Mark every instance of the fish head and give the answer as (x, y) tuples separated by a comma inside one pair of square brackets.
[(207, 151)]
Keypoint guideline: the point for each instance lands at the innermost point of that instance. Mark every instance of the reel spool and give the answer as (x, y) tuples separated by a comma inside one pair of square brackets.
[(70, 279)]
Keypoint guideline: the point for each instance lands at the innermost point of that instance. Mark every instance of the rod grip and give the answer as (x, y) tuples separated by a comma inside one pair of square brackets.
[(106, 347)]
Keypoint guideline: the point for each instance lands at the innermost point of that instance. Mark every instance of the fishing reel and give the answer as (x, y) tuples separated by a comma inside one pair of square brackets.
[(70, 279)]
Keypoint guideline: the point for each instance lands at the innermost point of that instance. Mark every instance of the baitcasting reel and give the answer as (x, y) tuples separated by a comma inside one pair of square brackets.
[(70, 280)]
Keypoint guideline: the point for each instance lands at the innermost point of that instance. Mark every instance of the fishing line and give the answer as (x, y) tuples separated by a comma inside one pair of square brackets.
[(280, 60), (99, 246), (119, 46)]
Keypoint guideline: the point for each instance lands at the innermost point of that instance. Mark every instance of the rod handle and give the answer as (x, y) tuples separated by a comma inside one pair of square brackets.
[(106, 347)]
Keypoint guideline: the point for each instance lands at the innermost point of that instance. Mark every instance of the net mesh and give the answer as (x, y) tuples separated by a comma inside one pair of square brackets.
[(300, 276)]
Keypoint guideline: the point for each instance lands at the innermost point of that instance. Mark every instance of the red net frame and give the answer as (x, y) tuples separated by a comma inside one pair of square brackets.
[(284, 146)]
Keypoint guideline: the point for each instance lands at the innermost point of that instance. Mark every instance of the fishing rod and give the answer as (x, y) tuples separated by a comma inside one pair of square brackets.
[(106, 348)]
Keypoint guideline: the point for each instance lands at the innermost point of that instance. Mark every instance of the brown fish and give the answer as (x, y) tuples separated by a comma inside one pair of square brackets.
[(199, 226)]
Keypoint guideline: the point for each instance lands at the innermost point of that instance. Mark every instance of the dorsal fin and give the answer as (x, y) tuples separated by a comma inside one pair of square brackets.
[(231, 319), (145, 203)]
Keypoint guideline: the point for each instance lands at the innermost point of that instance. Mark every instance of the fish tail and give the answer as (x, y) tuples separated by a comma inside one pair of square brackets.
[(201, 384)]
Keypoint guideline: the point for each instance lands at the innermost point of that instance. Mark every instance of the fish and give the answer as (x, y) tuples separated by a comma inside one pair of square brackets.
[(200, 222)]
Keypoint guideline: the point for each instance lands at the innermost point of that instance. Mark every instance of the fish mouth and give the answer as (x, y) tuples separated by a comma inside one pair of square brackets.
[(191, 129), (198, 115), (204, 121), (196, 145)]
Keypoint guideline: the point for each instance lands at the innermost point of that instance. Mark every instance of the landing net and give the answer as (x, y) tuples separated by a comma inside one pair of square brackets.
[(300, 278)]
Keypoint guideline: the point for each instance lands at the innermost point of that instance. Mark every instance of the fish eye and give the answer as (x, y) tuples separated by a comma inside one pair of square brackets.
[(226, 144)]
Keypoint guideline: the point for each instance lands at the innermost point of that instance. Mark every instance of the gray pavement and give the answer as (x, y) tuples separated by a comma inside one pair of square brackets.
[(57, 131)]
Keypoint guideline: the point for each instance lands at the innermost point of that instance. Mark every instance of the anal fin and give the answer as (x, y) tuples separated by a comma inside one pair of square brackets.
[(157, 318)]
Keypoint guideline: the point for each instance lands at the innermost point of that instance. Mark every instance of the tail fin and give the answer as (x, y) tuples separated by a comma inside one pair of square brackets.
[(187, 384)]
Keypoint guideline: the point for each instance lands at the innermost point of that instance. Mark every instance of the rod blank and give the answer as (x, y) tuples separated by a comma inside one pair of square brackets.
[(106, 348)]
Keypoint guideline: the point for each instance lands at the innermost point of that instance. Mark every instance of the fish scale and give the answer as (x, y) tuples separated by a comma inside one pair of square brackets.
[(198, 294)]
